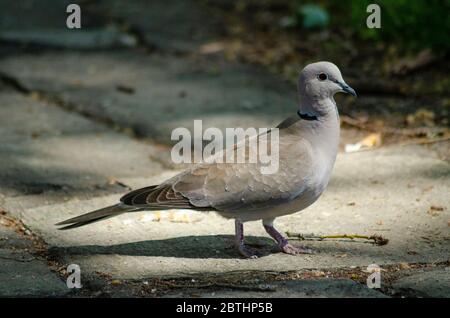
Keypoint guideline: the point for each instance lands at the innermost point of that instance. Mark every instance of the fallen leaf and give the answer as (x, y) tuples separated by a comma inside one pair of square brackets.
[(112, 180), (210, 48), (421, 117), (370, 141), (373, 140), (435, 210), (404, 266), (318, 273)]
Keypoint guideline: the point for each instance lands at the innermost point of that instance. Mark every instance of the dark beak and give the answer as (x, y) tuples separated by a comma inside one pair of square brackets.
[(347, 88)]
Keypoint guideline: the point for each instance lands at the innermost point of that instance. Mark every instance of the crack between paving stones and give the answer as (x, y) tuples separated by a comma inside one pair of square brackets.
[(18, 259), (51, 99), (11, 82)]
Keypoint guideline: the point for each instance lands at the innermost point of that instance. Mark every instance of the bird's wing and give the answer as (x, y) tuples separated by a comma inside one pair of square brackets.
[(157, 196), (234, 186)]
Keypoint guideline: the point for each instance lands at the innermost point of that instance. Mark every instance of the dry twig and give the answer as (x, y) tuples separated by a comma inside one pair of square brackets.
[(375, 239)]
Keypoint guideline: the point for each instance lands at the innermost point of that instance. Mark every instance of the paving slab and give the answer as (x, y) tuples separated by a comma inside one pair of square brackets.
[(9, 239), (170, 25), (308, 288), (22, 273), (49, 155), (433, 283), (43, 23), (153, 94), (388, 192)]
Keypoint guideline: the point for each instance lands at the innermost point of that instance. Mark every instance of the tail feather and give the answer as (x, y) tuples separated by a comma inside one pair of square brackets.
[(96, 215)]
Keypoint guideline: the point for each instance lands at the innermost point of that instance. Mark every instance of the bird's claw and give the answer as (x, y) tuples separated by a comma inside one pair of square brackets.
[(295, 250), (247, 252)]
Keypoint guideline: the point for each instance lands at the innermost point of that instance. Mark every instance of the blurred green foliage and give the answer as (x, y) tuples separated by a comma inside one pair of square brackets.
[(309, 16), (313, 16), (413, 24)]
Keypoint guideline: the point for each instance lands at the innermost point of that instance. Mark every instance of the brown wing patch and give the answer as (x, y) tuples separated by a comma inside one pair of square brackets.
[(159, 196), (127, 198)]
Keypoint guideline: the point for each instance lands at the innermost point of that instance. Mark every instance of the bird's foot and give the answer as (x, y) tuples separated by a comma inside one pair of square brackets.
[(247, 252), (295, 250)]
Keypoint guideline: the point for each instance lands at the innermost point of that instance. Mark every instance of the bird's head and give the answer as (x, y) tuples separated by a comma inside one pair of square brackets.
[(322, 80)]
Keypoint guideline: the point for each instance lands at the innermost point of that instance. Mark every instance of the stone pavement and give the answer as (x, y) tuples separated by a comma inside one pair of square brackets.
[(78, 128), (335, 288), (164, 91), (21, 272)]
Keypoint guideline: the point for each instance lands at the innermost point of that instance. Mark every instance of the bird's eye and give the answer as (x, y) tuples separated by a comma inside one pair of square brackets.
[(322, 76)]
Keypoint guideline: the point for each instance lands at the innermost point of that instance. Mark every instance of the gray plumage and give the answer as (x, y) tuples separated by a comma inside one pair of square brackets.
[(308, 144)]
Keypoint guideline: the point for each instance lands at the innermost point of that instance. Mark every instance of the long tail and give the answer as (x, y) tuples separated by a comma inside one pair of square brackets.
[(96, 216)]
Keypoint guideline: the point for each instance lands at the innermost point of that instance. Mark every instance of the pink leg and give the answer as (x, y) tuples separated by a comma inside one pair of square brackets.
[(283, 243), (243, 250)]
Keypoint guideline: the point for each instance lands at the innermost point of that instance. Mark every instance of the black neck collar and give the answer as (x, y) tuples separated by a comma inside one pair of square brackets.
[(306, 116)]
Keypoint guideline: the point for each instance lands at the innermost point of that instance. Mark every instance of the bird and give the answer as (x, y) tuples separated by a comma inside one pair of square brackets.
[(307, 143)]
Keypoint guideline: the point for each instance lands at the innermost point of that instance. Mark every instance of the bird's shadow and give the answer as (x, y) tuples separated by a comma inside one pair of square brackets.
[(202, 247)]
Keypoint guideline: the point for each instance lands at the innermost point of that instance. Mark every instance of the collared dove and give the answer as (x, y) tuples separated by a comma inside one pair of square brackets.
[(308, 144)]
